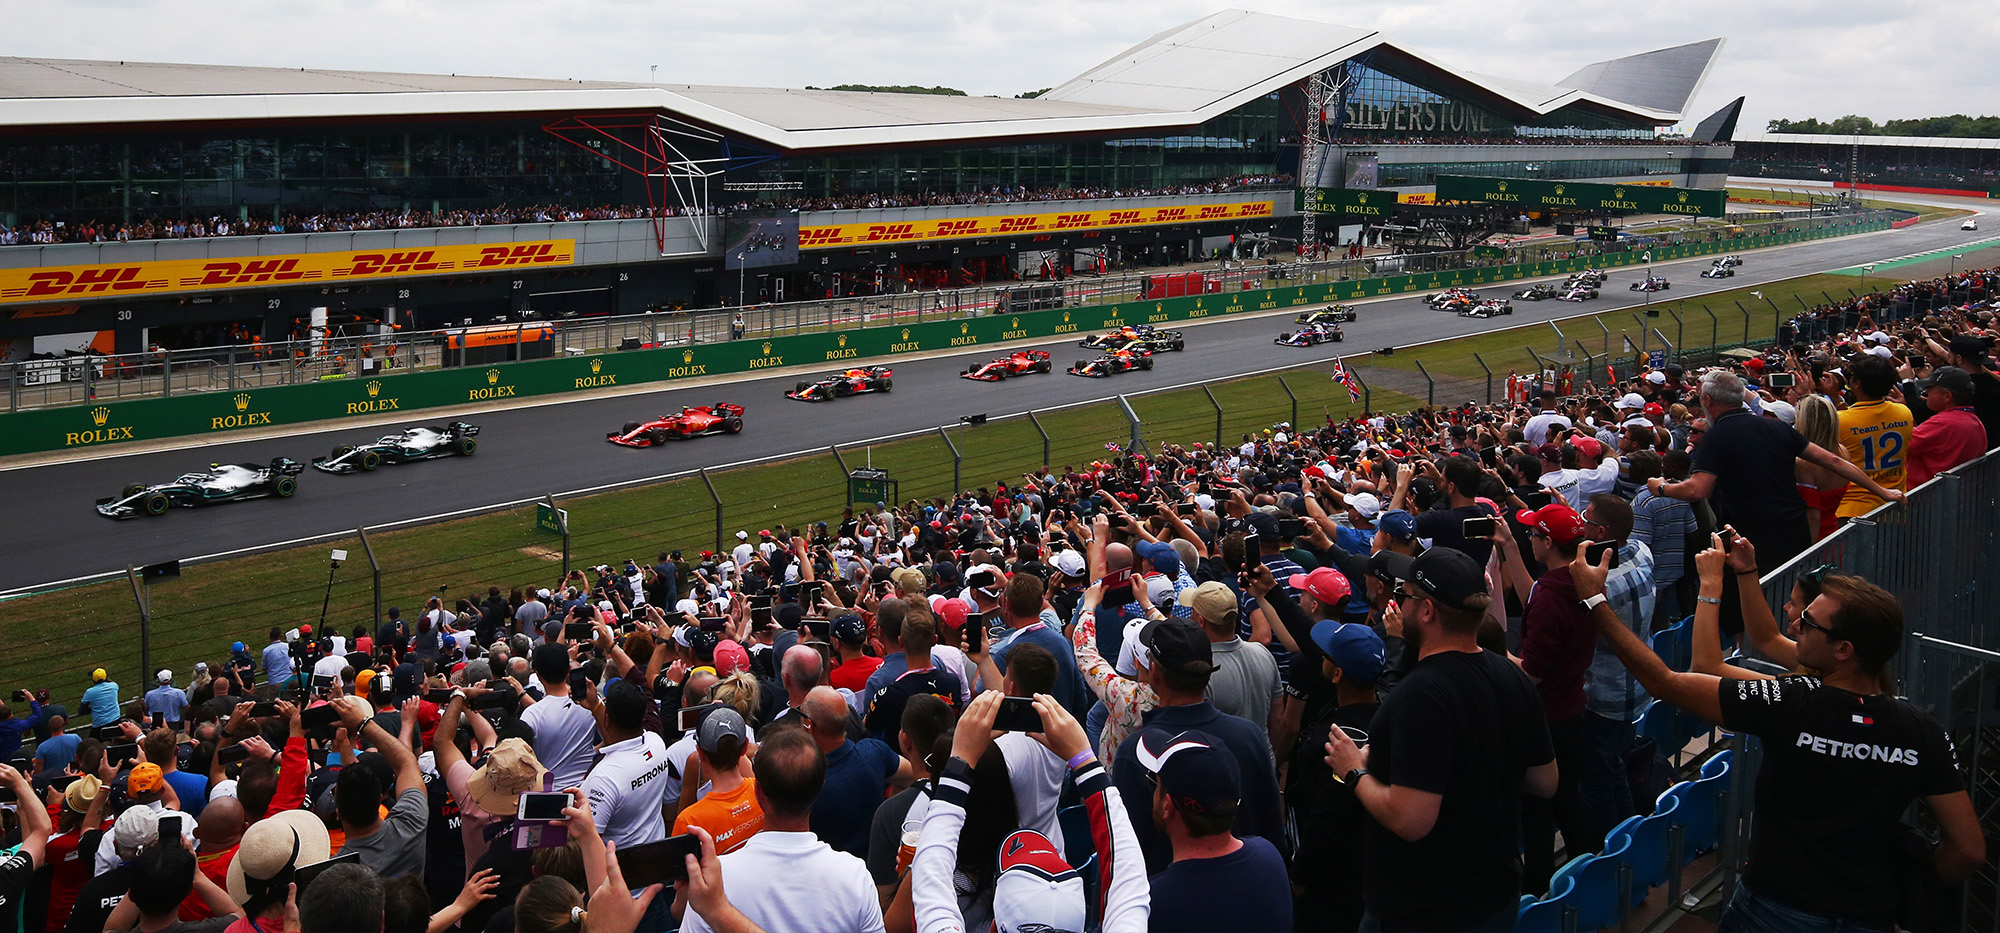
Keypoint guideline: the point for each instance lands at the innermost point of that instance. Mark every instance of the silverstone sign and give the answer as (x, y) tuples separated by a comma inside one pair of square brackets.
[(1528, 193), (1347, 204)]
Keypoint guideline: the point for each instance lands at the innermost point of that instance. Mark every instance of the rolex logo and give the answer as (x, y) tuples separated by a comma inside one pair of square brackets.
[(1016, 324), (1503, 186), (1683, 196), (100, 415), (1065, 317), (767, 348), (1618, 193), (1362, 197), (687, 356), (374, 389), (493, 377), (906, 333), (842, 340), (964, 327), (597, 364), (1559, 188), (1158, 308), (243, 402)]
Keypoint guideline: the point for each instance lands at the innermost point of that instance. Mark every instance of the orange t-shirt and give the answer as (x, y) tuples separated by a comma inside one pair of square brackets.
[(731, 818)]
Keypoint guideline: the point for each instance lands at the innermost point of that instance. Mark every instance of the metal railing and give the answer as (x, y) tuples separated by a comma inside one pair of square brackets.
[(85, 379)]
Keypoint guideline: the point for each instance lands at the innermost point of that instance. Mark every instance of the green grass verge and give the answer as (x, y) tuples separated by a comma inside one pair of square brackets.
[(54, 639)]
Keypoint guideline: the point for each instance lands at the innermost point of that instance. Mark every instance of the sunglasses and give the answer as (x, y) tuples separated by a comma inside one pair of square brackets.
[(1818, 574), (1806, 620)]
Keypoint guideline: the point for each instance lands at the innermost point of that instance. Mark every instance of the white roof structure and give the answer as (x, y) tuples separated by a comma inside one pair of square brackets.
[(1175, 79)]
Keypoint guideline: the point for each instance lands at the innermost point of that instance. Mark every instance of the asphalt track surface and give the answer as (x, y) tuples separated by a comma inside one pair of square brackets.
[(525, 453)]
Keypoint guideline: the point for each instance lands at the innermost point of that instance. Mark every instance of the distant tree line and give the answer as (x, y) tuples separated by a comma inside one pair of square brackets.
[(1957, 124)]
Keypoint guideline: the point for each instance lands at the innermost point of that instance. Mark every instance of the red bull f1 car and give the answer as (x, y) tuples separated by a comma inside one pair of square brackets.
[(452, 440), (1113, 363), (1136, 337), (843, 384), (719, 418), (1311, 335), (221, 482), (1018, 363)]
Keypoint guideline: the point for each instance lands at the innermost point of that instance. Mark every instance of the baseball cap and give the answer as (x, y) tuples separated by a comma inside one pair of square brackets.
[(1400, 525), (1353, 647), (1132, 654), (1263, 523), (145, 779), (237, 646), (1754, 364), (1878, 337), (510, 770), (764, 533), (1970, 347), (1178, 644), (1588, 446), (165, 676), (1657, 378), (849, 629), (1036, 889), (98, 676), (742, 536), (1365, 504), (1159, 554), (1215, 603), (1632, 400), (1560, 522), (1951, 377), (1783, 411), (1655, 408), (1068, 563), (1550, 452), (1160, 589), (272, 848), (730, 657), (1195, 770), (1326, 584), (722, 725), (1881, 351), (908, 579), (137, 828), (1448, 574)]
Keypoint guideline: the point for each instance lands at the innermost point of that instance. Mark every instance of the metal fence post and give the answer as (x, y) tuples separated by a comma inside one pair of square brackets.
[(1599, 321), (1642, 333), (375, 571), (1489, 376), (1680, 329), (1037, 422), (1218, 411), (140, 595), (1746, 320), (1714, 329), (840, 460), (957, 463), (1430, 385), (1560, 339), (705, 481), (166, 374), (562, 522), (1288, 394), (1132, 417)]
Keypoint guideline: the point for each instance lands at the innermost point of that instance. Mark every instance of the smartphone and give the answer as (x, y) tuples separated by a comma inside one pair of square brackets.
[(440, 697), (809, 592), (1145, 509), (713, 623), (975, 635), (1780, 380), (266, 708), (1117, 578), (159, 720), (1186, 508), (1596, 553), (107, 732), (1252, 549), (304, 876), (122, 753), (170, 825), (321, 686), (323, 716), (1476, 529), (691, 717), (542, 807), (1017, 714), (981, 580), (61, 782), (577, 631), (234, 754), (1291, 527), (662, 862)]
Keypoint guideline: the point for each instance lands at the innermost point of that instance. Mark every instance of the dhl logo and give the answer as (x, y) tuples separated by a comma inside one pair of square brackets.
[(878, 233), (1017, 224), (1042, 226), (1214, 211), (525, 254), (249, 272), (1123, 217), (1170, 214), (84, 282), (957, 228), (1072, 221), (418, 260), (818, 236)]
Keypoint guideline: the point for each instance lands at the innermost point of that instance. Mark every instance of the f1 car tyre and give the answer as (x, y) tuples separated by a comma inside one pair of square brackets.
[(369, 461), (1079, 367), (467, 445), (1180, 344), (886, 383), (631, 426), (798, 388), (656, 437), (1145, 362), (157, 504), (133, 490), (285, 486), (732, 425)]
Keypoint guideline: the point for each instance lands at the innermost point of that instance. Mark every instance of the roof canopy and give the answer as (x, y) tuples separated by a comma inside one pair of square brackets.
[(1175, 79)]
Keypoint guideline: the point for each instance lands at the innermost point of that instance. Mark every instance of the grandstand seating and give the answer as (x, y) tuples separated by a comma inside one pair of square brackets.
[(1595, 894), (1644, 847), (1675, 644), (1546, 915)]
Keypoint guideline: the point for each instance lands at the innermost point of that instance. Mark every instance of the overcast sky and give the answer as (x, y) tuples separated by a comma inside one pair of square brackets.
[(1884, 59)]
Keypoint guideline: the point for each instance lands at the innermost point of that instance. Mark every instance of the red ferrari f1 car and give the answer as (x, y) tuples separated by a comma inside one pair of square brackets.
[(1019, 363), (719, 418)]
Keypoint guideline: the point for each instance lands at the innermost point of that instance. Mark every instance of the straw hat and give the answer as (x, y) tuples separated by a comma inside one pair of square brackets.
[(510, 771), (273, 848)]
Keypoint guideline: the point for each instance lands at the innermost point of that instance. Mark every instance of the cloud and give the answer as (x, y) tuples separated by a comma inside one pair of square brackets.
[(1889, 59)]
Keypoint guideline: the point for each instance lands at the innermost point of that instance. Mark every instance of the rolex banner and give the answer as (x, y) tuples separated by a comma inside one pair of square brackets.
[(1582, 196), (1347, 203)]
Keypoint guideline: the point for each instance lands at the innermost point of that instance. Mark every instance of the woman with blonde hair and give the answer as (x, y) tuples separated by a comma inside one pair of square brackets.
[(1822, 489), (741, 692)]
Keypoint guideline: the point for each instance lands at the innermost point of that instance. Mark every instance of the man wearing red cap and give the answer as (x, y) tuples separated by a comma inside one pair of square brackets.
[(1557, 644)]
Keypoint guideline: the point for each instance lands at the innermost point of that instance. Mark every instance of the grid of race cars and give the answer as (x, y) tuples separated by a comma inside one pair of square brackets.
[(1128, 348)]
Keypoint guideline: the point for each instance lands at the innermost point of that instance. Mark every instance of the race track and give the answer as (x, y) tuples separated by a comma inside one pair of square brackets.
[(528, 452)]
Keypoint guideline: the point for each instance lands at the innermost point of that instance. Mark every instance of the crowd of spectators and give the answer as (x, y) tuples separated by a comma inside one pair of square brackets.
[(1348, 676), (45, 231)]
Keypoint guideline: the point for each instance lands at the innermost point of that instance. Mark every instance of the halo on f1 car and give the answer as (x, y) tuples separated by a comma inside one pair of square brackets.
[(221, 482), (844, 383), (718, 418), (1018, 363), (409, 444)]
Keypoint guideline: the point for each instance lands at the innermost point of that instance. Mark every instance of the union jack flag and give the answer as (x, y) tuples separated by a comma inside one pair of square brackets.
[(1341, 375)]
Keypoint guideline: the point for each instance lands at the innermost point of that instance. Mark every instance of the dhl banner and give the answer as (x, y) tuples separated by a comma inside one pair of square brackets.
[(958, 228), (200, 275)]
